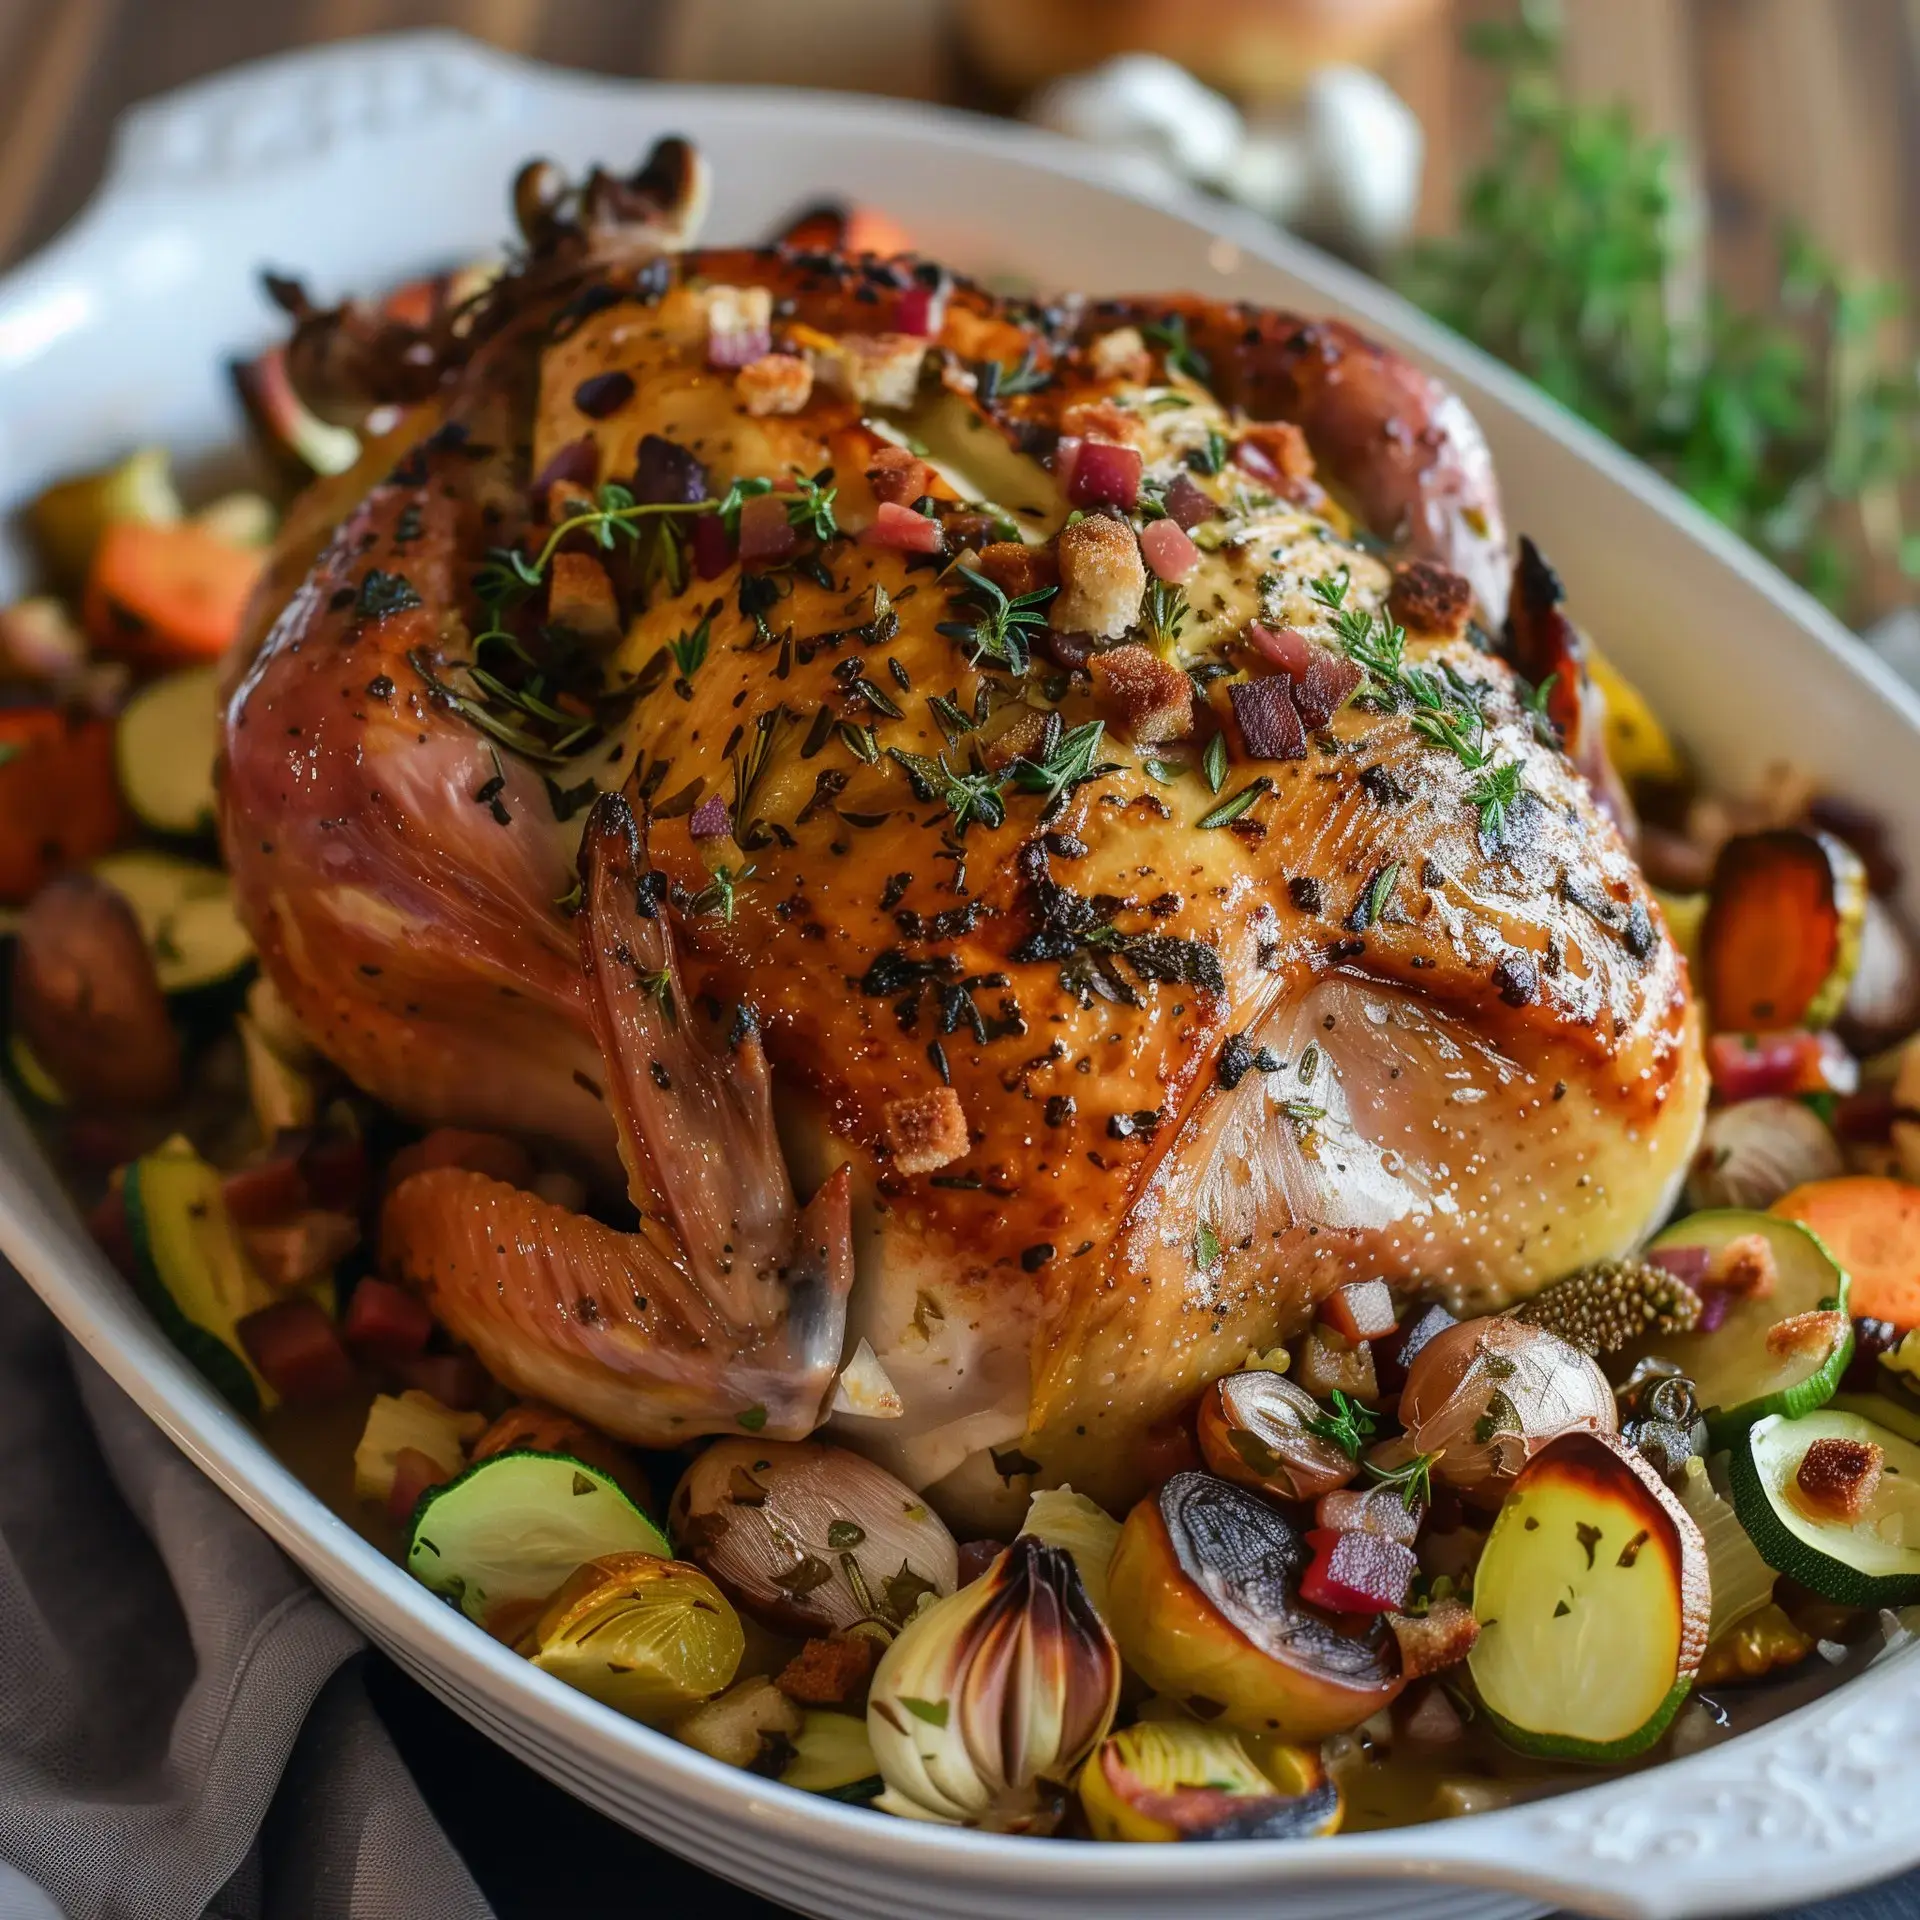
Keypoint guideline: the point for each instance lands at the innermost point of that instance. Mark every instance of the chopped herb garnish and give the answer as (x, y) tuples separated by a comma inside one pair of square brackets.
[(1001, 633), (933, 1712), (384, 593), (1213, 763), (1164, 613), (718, 896), (1349, 1426), (1065, 762), (1231, 809), (1181, 356), (810, 505), (1373, 901), (1206, 1247), (753, 1419), (1210, 457), (689, 650), (1414, 1478), (1496, 793)]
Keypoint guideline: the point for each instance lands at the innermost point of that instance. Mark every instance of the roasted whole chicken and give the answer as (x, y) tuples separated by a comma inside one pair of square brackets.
[(1041, 838)]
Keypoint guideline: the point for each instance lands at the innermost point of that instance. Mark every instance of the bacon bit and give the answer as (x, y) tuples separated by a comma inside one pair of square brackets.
[(1102, 576), (1105, 475), (291, 1253), (775, 383), (1102, 420), (297, 1351), (739, 325), (1360, 1310), (1167, 550), (580, 597), (1274, 450), (927, 1131), (904, 530), (1119, 355), (874, 369), (898, 476), (765, 532), (829, 1673), (1066, 456), (1807, 1333), (1838, 1478), (1428, 598), (1148, 699), (1440, 1638), (1744, 1266), (1016, 568), (1270, 728), (1326, 686)]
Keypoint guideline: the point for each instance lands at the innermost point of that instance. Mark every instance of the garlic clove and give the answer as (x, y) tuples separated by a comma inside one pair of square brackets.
[(1752, 1153), (984, 1708), (1059, 1517), (1255, 1428), (810, 1538)]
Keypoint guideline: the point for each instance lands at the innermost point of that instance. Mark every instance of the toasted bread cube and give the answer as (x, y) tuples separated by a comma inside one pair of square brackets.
[(1838, 1478), (580, 597), (927, 1131), (898, 477), (1428, 598), (775, 383), (1017, 569), (1119, 355), (829, 1673), (1102, 578), (874, 369), (1147, 699)]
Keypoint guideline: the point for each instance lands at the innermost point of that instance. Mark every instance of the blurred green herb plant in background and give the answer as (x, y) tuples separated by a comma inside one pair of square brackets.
[(1578, 260)]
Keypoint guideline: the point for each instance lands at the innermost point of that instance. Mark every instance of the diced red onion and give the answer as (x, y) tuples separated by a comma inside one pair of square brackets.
[(710, 820), (456, 1380), (764, 530), (738, 347), (1326, 686), (1690, 1264), (1867, 1116), (1715, 1304), (1167, 550), (904, 530), (1269, 726), (1105, 475), (1189, 504), (1755, 1066), (922, 309), (1282, 647), (667, 474), (575, 464), (712, 547)]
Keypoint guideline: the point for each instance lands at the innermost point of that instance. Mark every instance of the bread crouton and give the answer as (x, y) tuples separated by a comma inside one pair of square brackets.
[(1146, 699), (775, 383), (1102, 578), (926, 1131)]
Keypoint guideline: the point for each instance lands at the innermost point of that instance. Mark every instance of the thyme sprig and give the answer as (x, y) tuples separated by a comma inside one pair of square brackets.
[(1001, 631), (1414, 1478), (1349, 1426), (1064, 763)]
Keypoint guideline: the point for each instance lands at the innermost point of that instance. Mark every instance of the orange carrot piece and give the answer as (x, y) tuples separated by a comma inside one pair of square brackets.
[(167, 596), (59, 798), (1871, 1225)]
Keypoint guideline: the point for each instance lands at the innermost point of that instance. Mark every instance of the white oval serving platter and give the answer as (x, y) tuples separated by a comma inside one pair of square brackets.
[(357, 164)]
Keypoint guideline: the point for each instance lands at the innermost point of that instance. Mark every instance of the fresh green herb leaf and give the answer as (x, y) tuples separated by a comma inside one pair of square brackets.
[(1230, 810), (1495, 794), (1065, 762), (1206, 1247), (1164, 613), (719, 896), (1000, 633), (1179, 353), (1213, 763), (753, 1419), (1414, 1478), (689, 650), (1349, 1426), (933, 1712)]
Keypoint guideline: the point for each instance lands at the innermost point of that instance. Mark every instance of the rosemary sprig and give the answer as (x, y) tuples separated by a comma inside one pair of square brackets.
[(719, 896), (1230, 810), (1164, 613), (1180, 354), (1065, 762), (1414, 1478), (689, 650)]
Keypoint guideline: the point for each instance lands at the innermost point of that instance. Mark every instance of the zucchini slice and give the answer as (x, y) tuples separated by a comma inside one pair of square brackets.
[(194, 1272), (514, 1526), (1870, 1562), (1593, 1599), (1782, 933), (164, 745), (186, 911), (1738, 1378)]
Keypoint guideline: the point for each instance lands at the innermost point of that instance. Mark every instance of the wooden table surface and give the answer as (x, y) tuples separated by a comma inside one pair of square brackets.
[(1803, 108)]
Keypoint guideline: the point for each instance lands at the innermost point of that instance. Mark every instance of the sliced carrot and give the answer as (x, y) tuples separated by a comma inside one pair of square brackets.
[(1871, 1225), (59, 800), (1782, 933), (167, 596)]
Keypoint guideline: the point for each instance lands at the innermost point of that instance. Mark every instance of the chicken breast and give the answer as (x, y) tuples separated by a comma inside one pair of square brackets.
[(1140, 960)]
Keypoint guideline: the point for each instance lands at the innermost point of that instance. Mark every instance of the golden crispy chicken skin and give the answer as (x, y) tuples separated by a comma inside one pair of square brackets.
[(1153, 957)]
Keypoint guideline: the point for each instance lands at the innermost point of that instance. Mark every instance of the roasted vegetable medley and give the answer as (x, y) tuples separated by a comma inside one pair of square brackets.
[(1411, 1557)]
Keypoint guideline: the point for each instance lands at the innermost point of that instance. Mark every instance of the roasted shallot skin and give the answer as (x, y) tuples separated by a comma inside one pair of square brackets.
[(1128, 1071)]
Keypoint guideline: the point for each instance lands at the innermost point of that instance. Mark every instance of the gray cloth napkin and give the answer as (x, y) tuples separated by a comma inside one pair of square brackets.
[(184, 1729)]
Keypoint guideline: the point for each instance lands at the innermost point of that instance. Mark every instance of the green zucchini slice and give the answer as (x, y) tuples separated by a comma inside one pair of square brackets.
[(164, 746), (1738, 1378), (186, 911), (193, 1271), (513, 1527), (1871, 1562), (1593, 1599)]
